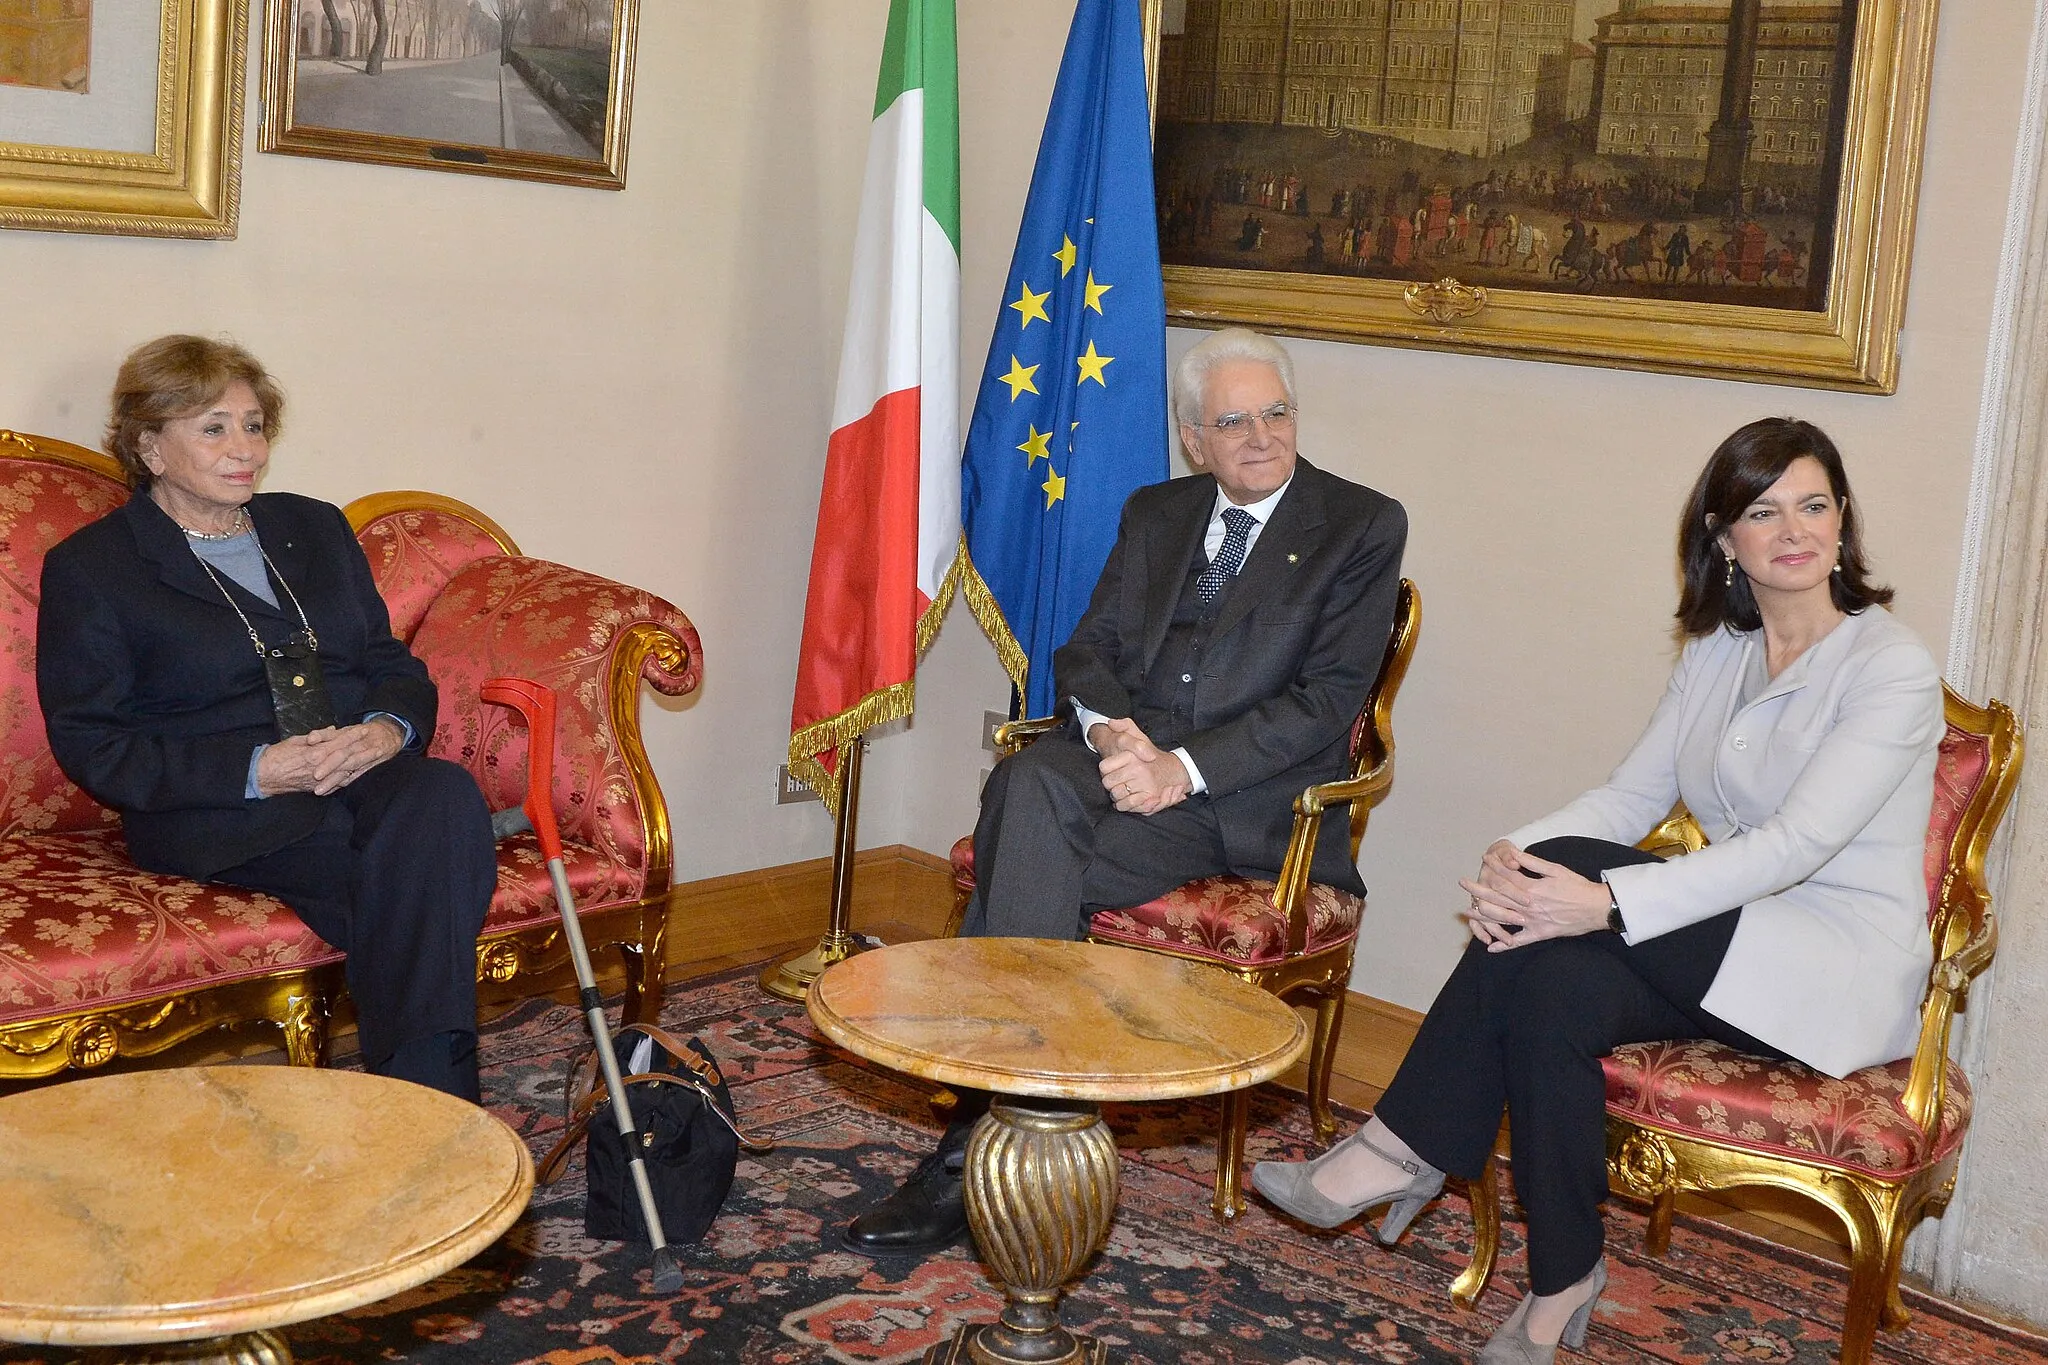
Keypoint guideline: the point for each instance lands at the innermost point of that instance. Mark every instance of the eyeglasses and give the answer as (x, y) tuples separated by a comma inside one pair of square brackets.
[(1237, 426)]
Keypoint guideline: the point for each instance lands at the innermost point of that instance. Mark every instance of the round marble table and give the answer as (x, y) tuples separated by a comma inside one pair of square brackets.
[(1053, 1028), (208, 1204)]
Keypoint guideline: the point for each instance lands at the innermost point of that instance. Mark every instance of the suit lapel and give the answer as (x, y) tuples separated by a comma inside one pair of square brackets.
[(290, 553), (1177, 544), (1286, 541), (164, 548)]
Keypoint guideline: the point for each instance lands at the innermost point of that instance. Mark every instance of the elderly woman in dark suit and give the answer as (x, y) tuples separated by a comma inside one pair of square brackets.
[(215, 663), (1801, 729)]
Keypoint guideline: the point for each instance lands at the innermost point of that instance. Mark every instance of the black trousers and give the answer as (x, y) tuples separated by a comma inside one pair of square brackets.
[(1526, 1029), (399, 876), (1050, 847)]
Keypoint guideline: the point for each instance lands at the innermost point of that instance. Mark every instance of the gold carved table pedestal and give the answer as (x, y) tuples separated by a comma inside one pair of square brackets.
[(180, 1215), (1054, 1028)]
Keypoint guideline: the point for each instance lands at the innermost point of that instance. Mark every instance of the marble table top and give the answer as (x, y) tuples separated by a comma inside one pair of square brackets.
[(179, 1204), (1043, 1017)]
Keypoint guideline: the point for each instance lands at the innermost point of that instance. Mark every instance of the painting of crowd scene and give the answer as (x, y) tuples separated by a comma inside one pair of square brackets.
[(46, 44), (1618, 147), (523, 75)]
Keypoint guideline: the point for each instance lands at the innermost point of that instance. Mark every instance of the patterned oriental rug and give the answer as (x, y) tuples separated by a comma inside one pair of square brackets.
[(771, 1283)]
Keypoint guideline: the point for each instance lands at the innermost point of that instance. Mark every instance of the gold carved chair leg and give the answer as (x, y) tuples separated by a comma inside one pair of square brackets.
[(1322, 1058), (305, 1029), (1484, 1195), (1657, 1237), (1228, 1201)]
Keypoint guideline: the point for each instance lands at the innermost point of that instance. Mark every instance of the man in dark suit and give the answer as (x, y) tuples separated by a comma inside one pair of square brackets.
[(1230, 643)]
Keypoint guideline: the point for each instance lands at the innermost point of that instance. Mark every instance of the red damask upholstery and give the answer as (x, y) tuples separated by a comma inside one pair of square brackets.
[(1958, 774), (416, 546), (1231, 919), (527, 618), (40, 504), (1778, 1108), (80, 925)]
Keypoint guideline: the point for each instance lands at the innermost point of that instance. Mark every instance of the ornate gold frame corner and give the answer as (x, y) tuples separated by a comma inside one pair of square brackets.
[(1853, 346), (280, 131), (189, 184)]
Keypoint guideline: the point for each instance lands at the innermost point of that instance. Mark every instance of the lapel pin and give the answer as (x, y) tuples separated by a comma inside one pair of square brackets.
[(1294, 559)]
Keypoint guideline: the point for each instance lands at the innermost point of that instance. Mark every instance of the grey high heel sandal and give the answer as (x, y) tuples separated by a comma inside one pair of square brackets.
[(1511, 1344), (1291, 1186)]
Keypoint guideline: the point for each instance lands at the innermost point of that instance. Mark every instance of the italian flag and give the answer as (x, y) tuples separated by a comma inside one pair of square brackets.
[(882, 567)]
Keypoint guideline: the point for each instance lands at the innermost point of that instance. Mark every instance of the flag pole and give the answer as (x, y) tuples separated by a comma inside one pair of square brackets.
[(791, 978)]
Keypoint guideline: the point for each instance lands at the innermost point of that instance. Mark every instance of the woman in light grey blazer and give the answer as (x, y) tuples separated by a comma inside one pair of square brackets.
[(1800, 728)]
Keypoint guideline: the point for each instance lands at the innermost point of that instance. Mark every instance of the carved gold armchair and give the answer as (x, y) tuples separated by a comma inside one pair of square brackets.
[(100, 959), (1879, 1147), (1290, 936)]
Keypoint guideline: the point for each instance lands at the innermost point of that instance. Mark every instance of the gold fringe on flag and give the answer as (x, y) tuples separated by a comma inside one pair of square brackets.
[(982, 603), (808, 745)]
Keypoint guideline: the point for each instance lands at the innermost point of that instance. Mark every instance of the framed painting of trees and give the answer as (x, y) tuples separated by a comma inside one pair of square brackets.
[(1709, 187), (535, 89)]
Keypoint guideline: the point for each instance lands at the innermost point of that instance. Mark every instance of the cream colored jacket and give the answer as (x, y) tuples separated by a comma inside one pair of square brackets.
[(1815, 799)]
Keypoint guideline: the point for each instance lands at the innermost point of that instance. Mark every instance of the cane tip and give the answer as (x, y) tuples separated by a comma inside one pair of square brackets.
[(668, 1276)]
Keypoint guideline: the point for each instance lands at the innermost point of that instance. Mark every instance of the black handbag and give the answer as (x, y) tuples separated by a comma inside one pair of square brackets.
[(690, 1137)]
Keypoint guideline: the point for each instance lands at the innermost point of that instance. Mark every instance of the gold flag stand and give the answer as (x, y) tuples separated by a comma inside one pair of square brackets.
[(791, 978)]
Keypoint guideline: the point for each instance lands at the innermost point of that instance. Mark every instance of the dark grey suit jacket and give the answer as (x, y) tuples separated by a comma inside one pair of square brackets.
[(154, 698), (1294, 651)]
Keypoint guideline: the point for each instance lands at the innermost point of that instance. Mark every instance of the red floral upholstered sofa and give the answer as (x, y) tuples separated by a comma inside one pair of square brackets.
[(99, 959)]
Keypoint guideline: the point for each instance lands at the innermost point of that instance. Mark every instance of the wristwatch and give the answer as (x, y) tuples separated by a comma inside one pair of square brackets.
[(1614, 919)]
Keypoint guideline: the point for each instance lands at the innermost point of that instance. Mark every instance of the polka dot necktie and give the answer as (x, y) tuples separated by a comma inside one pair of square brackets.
[(1237, 534)]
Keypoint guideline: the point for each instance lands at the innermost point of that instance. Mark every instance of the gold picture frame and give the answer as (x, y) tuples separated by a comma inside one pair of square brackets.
[(511, 88), (1845, 337), (187, 182)]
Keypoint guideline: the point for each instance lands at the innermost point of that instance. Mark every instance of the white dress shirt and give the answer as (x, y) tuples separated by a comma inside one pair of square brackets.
[(1212, 541)]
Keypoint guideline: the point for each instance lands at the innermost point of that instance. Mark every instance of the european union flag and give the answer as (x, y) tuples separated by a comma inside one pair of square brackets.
[(1071, 415)]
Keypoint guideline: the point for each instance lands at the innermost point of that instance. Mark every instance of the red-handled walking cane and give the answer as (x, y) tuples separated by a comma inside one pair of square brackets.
[(537, 704)]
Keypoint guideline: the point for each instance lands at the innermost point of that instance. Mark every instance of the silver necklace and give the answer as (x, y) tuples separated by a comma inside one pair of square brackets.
[(262, 650), (240, 525)]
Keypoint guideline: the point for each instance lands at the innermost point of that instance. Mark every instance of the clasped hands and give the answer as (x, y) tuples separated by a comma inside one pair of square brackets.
[(1511, 908), (1140, 777), (324, 761)]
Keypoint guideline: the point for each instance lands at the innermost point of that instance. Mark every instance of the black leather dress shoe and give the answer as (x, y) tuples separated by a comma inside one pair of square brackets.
[(928, 1213)]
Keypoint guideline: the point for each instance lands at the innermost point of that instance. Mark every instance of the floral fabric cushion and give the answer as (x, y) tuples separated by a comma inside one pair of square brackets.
[(41, 502), (526, 894), (1230, 918), (1783, 1108), (82, 927), (412, 556), (511, 616)]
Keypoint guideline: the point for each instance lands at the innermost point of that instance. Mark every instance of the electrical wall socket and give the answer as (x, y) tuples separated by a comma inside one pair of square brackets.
[(790, 789), (989, 721)]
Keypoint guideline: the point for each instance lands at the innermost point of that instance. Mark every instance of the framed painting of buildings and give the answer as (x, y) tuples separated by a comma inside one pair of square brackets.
[(122, 116), (534, 89), (1719, 187)]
